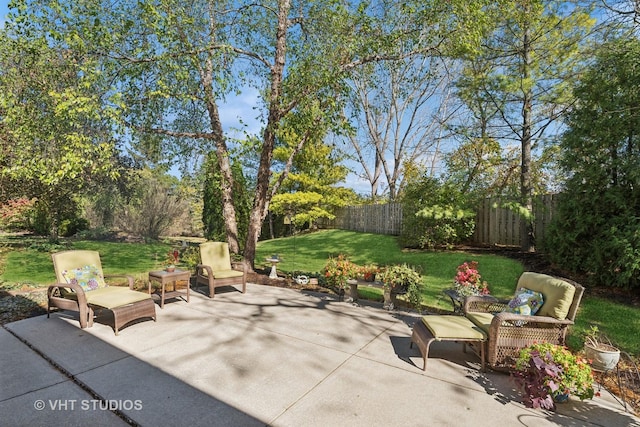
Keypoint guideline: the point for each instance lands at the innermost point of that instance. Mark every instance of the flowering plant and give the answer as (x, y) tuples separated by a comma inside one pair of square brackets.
[(546, 371), (467, 280), (369, 272), (339, 269), (173, 257)]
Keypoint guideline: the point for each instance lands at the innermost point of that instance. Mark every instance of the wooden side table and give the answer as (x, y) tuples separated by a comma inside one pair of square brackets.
[(164, 277)]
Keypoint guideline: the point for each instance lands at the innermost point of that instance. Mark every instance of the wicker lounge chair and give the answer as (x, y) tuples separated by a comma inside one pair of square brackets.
[(510, 332), (216, 269), (81, 287)]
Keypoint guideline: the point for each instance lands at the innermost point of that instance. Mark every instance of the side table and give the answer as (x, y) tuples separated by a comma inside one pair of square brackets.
[(164, 277), (456, 300)]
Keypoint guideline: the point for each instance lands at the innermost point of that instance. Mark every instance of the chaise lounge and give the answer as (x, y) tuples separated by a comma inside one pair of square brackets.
[(81, 287)]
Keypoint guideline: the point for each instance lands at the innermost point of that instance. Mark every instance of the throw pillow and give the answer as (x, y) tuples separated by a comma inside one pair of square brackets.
[(88, 277), (525, 302)]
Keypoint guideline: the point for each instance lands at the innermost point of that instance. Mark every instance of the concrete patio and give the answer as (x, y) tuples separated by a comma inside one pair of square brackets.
[(272, 356)]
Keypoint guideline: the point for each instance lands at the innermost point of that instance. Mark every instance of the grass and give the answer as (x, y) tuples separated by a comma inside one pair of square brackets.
[(308, 253), (31, 267), (22, 264)]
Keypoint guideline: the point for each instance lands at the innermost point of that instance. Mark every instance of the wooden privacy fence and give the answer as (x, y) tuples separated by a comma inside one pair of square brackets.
[(501, 226), (378, 219), (494, 225)]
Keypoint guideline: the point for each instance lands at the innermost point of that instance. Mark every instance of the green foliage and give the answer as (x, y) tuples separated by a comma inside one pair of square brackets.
[(212, 211), (595, 229), (546, 370), (435, 215), (71, 226), (403, 279), (156, 207)]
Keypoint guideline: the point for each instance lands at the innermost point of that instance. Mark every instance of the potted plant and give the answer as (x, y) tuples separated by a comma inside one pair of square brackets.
[(398, 279), (369, 272), (173, 258), (602, 355), (468, 280), (339, 271), (550, 373)]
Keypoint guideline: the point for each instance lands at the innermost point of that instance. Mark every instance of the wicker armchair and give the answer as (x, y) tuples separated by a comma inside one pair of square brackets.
[(509, 332), (216, 269), (81, 287)]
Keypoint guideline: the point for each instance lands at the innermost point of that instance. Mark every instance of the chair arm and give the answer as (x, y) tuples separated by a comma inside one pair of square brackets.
[(80, 294), (244, 268), (524, 320), (484, 304), (128, 277), (209, 270)]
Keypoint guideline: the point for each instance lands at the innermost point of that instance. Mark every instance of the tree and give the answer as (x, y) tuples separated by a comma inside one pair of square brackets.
[(175, 63), (56, 129), (530, 60), (396, 109), (595, 229), (212, 215), (155, 207)]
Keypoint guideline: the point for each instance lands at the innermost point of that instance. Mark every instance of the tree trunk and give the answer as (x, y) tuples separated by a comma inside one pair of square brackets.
[(527, 240), (263, 195)]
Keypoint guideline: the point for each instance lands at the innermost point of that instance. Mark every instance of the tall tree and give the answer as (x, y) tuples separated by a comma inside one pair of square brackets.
[(532, 57), (57, 130), (176, 63), (396, 110), (596, 226)]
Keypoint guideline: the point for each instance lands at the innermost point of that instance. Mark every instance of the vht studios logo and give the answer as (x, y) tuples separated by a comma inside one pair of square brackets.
[(87, 405)]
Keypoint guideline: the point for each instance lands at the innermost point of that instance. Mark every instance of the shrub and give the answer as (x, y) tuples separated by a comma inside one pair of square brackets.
[(435, 215)]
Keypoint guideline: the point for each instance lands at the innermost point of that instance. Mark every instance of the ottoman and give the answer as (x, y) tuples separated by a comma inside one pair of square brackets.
[(446, 328)]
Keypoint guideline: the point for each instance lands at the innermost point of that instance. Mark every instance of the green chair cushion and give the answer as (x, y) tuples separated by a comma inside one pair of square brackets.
[(558, 294), (451, 327), (225, 274), (113, 296), (482, 320)]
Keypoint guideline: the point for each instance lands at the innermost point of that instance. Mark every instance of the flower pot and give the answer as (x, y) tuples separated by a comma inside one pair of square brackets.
[(170, 269), (561, 398), (603, 358)]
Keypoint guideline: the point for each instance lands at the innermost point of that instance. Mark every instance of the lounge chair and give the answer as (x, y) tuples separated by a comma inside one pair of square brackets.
[(81, 287), (216, 270), (509, 331)]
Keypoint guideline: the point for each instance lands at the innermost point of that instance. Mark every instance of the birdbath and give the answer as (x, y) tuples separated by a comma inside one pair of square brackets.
[(274, 261)]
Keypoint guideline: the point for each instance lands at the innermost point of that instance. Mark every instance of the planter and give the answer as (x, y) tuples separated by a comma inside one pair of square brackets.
[(603, 357), (561, 398), (353, 289), (389, 299)]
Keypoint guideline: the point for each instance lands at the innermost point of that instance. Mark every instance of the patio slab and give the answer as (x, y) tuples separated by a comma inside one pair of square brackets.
[(273, 356)]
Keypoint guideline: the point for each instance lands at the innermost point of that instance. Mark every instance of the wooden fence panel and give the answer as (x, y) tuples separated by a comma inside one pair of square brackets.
[(378, 219), (494, 225)]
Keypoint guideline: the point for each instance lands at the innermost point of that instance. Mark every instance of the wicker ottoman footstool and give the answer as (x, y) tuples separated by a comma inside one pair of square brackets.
[(446, 328)]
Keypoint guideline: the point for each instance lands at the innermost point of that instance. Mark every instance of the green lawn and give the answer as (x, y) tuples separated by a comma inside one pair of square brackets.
[(308, 253)]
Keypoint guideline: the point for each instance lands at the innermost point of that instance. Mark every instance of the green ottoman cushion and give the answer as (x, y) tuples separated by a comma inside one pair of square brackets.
[(450, 327)]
